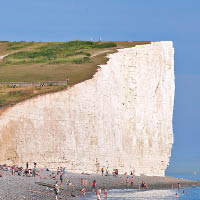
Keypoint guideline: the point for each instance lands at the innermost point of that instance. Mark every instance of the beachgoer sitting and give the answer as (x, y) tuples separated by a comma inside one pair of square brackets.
[(116, 172), (68, 182), (53, 176), (37, 173), (143, 185), (26, 172)]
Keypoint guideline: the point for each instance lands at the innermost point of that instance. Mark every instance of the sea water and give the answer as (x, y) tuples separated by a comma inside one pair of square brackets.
[(192, 193)]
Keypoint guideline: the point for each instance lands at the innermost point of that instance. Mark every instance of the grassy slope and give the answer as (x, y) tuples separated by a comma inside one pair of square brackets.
[(50, 62)]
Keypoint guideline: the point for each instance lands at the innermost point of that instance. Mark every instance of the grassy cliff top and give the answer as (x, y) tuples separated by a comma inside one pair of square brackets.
[(50, 61)]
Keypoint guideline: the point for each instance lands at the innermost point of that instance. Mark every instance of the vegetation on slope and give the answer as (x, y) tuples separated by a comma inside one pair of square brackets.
[(55, 53), (50, 61)]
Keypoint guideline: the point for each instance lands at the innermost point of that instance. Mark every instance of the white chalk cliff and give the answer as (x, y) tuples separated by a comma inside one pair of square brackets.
[(121, 118)]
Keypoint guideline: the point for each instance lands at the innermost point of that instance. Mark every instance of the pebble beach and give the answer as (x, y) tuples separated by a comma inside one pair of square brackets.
[(23, 187)]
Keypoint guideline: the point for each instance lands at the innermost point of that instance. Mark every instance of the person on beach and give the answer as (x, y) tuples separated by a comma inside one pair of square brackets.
[(116, 172), (53, 176), (83, 191), (58, 171), (1, 175), (26, 165), (94, 184), (34, 172), (99, 192), (107, 171), (179, 186), (29, 173), (61, 177), (56, 189), (105, 193), (132, 180), (13, 170), (84, 182), (143, 185), (98, 197), (102, 171)]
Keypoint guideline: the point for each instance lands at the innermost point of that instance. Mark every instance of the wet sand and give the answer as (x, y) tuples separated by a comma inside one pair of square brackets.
[(21, 187)]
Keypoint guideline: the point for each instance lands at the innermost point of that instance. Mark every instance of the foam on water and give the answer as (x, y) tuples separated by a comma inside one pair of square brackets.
[(138, 194), (192, 193)]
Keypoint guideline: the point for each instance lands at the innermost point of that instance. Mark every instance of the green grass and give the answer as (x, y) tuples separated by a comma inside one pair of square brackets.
[(54, 51), (52, 61), (19, 45)]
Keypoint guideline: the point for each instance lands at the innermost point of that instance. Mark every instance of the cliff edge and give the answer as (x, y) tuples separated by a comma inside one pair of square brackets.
[(121, 118)]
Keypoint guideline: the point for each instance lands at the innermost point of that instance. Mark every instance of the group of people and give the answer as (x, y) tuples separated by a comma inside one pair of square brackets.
[(94, 189), (18, 170), (59, 175), (99, 191), (114, 173)]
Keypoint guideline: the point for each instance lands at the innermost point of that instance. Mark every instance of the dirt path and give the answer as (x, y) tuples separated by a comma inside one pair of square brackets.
[(1, 57), (98, 53)]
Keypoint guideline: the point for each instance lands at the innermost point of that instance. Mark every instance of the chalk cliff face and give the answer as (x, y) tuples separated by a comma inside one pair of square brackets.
[(121, 118)]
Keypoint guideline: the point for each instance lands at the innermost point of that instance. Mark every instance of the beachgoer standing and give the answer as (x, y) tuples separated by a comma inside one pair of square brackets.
[(179, 186), (61, 178), (35, 164), (94, 184), (102, 171), (99, 194), (56, 190), (84, 182), (98, 197), (13, 170), (107, 171), (34, 172), (26, 165), (105, 193)]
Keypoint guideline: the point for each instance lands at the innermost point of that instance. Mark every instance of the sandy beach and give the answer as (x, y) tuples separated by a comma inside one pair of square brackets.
[(22, 187)]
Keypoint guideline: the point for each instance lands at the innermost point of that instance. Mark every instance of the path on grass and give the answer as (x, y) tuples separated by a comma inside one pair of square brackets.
[(98, 53), (1, 57)]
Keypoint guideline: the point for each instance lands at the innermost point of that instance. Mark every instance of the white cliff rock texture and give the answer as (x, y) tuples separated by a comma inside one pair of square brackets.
[(121, 118)]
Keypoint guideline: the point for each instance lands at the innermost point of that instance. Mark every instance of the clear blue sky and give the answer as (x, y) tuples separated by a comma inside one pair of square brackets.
[(176, 20)]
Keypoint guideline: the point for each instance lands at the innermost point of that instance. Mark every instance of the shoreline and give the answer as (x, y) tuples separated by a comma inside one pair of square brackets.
[(26, 187)]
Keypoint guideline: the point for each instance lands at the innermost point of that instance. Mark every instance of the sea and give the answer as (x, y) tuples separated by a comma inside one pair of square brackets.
[(187, 193)]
